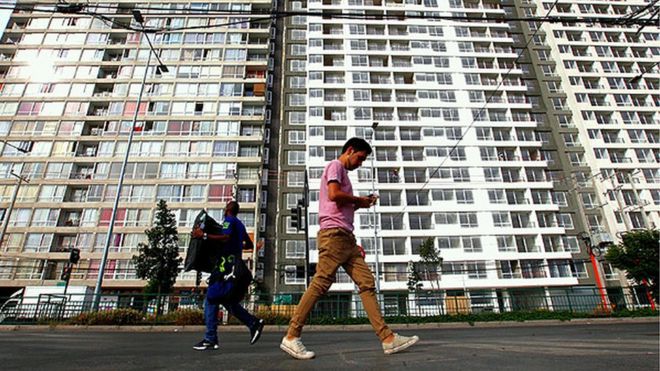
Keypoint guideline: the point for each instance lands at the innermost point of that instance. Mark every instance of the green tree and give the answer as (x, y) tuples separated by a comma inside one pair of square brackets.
[(158, 260), (431, 263), (638, 256), (431, 260), (414, 279)]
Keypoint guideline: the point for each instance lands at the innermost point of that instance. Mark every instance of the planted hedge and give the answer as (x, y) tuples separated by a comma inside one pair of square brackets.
[(189, 317)]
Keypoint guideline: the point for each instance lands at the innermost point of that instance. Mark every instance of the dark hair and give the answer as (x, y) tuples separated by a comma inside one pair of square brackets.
[(232, 207), (358, 144)]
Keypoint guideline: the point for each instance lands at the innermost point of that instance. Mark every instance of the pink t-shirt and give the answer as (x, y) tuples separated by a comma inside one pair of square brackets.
[(332, 215)]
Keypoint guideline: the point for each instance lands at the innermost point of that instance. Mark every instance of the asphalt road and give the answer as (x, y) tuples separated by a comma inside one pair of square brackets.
[(600, 346)]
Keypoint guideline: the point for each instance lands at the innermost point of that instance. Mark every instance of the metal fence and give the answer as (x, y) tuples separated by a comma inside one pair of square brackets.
[(57, 307)]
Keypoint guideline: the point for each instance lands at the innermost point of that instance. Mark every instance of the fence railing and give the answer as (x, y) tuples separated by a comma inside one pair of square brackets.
[(336, 305)]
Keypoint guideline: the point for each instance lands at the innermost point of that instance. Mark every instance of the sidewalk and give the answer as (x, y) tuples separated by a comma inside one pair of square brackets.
[(319, 328)]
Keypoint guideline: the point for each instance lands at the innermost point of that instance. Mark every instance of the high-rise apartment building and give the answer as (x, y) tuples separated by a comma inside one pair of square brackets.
[(490, 137), (501, 138), (611, 80), (69, 91)]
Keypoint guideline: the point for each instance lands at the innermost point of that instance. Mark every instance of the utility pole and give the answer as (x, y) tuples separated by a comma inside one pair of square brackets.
[(375, 216), (106, 248), (616, 190), (5, 221), (586, 238)]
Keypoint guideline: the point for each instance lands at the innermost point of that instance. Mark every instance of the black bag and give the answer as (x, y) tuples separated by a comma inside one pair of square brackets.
[(229, 287), (202, 254)]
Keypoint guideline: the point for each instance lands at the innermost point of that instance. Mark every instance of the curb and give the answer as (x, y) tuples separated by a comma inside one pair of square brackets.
[(327, 328)]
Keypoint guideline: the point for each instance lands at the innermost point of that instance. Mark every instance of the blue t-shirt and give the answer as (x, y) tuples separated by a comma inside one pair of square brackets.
[(232, 249), (234, 228)]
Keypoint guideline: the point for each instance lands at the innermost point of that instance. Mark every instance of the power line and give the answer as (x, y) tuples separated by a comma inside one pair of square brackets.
[(490, 97), (635, 18)]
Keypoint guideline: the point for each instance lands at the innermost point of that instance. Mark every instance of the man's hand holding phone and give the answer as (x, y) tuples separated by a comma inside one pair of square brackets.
[(373, 199)]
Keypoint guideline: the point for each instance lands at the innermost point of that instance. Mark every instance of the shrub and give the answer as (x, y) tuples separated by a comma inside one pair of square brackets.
[(181, 317), (273, 318), (117, 317)]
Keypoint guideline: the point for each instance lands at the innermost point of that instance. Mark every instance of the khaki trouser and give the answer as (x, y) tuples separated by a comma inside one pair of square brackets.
[(337, 247)]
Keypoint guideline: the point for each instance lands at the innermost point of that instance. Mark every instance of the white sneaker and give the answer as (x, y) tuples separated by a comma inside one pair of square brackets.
[(296, 349), (400, 343)]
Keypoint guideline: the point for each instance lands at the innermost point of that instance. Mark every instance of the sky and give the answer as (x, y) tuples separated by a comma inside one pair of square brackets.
[(4, 14)]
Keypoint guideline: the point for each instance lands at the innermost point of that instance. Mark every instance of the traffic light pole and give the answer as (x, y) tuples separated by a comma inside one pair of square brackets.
[(306, 206), (67, 273), (74, 257)]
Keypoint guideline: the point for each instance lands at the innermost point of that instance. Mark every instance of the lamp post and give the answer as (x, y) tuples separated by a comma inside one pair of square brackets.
[(106, 248), (373, 191), (638, 77), (5, 221), (21, 179)]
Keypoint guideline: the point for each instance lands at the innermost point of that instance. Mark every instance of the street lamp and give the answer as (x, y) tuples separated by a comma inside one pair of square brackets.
[(373, 192), (637, 78), (106, 248), (20, 179), (5, 221)]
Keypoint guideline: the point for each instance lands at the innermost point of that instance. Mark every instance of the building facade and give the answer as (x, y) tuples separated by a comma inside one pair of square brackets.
[(70, 86), (502, 140), (487, 140)]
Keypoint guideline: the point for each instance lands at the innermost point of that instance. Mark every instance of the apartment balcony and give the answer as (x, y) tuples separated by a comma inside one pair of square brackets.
[(6, 57), (383, 116), (380, 80), (534, 273), (620, 159), (333, 46), (381, 46), (108, 72), (70, 218), (254, 56), (406, 98), (82, 175), (380, 97), (87, 151), (399, 47), (76, 194), (334, 98), (333, 79)]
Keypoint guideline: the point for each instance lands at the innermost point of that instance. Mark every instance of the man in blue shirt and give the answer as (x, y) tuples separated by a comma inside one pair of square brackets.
[(234, 239)]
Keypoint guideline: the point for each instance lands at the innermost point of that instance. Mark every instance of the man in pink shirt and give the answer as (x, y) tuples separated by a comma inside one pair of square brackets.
[(337, 247)]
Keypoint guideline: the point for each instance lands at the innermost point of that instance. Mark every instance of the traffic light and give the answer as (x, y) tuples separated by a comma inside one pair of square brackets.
[(66, 272), (296, 216), (74, 256)]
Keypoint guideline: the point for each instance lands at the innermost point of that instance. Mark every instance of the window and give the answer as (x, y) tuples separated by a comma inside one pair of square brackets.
[(295, 178), (501, 219), (394, 246), (296, 157), (295, 249), (296, 137), (565, 220), (294, 275), (298, 66)]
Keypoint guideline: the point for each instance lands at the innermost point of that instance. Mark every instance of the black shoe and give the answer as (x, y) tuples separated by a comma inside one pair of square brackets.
[(205, 345), (256, 330)]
